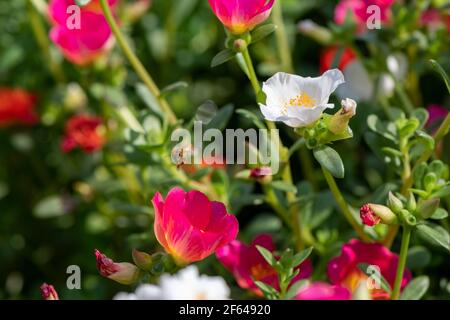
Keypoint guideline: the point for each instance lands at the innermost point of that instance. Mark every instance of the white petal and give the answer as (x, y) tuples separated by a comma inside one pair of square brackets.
[(125, 296), (271, 113), (328, 83), (280, 88), (307, 115), (148, 292)]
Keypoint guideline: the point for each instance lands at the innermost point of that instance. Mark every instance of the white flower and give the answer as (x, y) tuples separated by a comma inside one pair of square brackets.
[(299, 101), (187, 284)]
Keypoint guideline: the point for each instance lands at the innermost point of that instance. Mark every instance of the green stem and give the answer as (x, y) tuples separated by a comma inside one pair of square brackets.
[(41, 37), (282, 40), (344, 206), (287, 174), (137, 64), (401, 263), (251, 72), (273, 201)]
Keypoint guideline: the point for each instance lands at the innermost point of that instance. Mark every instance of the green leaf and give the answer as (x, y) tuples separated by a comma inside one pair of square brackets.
[(283, 186), (222, 57), (437, 67), (427, 208), (330, 160), (267, 255), (364, 267), (418, 257), (416, 289), (49, 207), (443, 193), (295, 147), (300, 257), (421, 115), (269, 291), (377, 126), (82, 3), (262, 32), (434, 234), (252, 117), (150, 101), (222, 118), (439, 214), (173, 87), (206, 112), (295, 288)]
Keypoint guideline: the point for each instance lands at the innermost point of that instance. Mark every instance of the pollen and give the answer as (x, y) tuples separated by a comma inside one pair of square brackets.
[(302, 100)]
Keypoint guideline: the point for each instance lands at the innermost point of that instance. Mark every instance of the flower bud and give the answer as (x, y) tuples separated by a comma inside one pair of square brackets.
[(373, 214), (239, 45), (339, 121), (411, 204), (143, 260), (311, 29), (407, 218), (48, 292), (394, 203), (262, 174), (123, 272)]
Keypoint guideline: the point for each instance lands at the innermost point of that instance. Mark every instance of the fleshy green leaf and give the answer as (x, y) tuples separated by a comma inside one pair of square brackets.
[(173, 87), (262, 32), (252, 117), (222, 57), (283, 186), (416, 289), (222, 118), (418, 257), (267, 255), (439, 214), (301, 257), (435, 234), (330, 160), (437, 67)]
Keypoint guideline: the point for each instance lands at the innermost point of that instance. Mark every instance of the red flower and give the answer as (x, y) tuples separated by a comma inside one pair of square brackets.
[(17, 106), (328, 56), (343, 270), (247, 264), (48, 292), (83, 131)]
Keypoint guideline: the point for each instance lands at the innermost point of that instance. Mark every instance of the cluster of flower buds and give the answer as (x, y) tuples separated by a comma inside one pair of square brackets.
[(399, 210), (431, 181)]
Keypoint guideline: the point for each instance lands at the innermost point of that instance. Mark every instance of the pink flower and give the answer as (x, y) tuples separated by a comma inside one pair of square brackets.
[(122, 272), (358, 9), (83, 131), (343, 270), (247, 264), (240, 16), (437, 113), (434, 20), (323, 291), (190, 227), (85, 44), (48, 292)]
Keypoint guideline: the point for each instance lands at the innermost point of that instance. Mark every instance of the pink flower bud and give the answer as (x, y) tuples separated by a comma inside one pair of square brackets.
[(240, 16), (260, 173), (190, 227), (48, 292), (122, 272), (373, 214)]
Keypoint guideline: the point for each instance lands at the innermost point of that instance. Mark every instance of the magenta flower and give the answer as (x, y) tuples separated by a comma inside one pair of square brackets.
[(343, 270), (358, 10), (48, 292), (240, 16), (247, 264), (437, 113), (190, 227), (323, 291), (83, 44)]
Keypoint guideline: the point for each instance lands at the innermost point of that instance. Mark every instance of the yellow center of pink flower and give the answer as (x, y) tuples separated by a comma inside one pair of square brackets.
[(261, 271)]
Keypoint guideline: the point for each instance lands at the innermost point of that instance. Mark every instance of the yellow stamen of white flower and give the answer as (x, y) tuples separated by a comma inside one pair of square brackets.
[(302, 100)]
